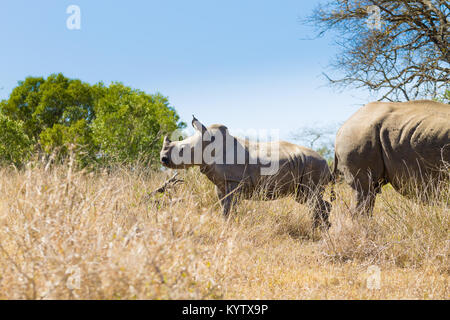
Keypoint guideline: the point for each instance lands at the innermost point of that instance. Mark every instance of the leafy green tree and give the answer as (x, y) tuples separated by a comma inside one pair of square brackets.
[(22, 103), (77, 137), (15, 146), (55, 112), (98, 123), (41, 103), (129, 124)]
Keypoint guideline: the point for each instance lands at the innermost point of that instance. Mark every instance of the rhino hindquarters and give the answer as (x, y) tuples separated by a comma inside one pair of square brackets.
[(322, 210), (362, 165)]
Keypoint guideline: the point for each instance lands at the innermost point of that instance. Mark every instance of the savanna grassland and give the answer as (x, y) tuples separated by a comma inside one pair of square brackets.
[(68, 234)]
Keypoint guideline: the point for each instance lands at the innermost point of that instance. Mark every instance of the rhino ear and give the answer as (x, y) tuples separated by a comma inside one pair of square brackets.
[(166, 140), (198, 125)]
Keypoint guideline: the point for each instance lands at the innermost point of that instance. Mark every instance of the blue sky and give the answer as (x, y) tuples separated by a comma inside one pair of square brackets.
[(240, 63)]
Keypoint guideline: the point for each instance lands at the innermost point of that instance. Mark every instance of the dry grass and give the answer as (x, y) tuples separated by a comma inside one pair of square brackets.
[(78, 235)]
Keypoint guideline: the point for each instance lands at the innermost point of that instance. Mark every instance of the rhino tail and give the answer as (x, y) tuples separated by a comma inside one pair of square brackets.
[(333, 179), (332, 192)]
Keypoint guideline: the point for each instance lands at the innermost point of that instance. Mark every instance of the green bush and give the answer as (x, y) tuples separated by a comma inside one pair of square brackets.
[(100, 124), (41, 103), (15, 146), (129, 124), (77, 137)]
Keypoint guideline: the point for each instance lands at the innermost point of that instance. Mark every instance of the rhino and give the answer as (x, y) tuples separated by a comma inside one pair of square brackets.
[(406, 144), (240, 168)]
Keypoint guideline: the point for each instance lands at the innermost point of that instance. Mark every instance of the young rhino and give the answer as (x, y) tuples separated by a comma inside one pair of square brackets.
[(241, 169)]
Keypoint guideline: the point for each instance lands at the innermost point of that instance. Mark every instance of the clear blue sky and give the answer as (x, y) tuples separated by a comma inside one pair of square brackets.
[(242, 63)]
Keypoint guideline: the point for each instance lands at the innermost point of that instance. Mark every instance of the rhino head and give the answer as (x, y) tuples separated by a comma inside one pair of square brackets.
[(191, 151)]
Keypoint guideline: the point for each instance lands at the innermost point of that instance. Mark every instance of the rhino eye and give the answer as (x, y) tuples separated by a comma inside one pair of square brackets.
[(213, 138)]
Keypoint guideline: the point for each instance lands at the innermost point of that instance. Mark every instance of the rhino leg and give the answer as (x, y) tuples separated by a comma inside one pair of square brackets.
[(322, 210), (365, 196), (221, 195), (365, 175), (227, 198)]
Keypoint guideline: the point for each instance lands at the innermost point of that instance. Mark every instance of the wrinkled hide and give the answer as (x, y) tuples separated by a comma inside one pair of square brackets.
[(406, 144)]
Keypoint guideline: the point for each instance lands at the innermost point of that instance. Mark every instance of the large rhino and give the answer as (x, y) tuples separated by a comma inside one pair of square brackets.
[(239, 167), (406, 144)]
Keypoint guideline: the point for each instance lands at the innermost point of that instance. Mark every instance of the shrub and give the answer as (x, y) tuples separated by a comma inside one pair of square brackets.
[(129, 124), (106, 125), (15, 146)]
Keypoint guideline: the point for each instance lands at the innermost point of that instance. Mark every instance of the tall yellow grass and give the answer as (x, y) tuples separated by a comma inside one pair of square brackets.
[(67, 234)]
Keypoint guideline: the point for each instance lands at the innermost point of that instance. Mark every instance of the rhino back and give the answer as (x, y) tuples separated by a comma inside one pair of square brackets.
[(415, 139), (297, 165), (301, 170), (395, 140)]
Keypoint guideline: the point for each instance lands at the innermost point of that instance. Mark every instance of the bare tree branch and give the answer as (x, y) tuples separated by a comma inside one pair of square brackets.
[(407, 58), (169, 183)]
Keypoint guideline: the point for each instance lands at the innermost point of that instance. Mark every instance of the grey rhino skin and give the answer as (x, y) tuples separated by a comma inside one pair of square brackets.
[(406, 144), (302, 172)]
